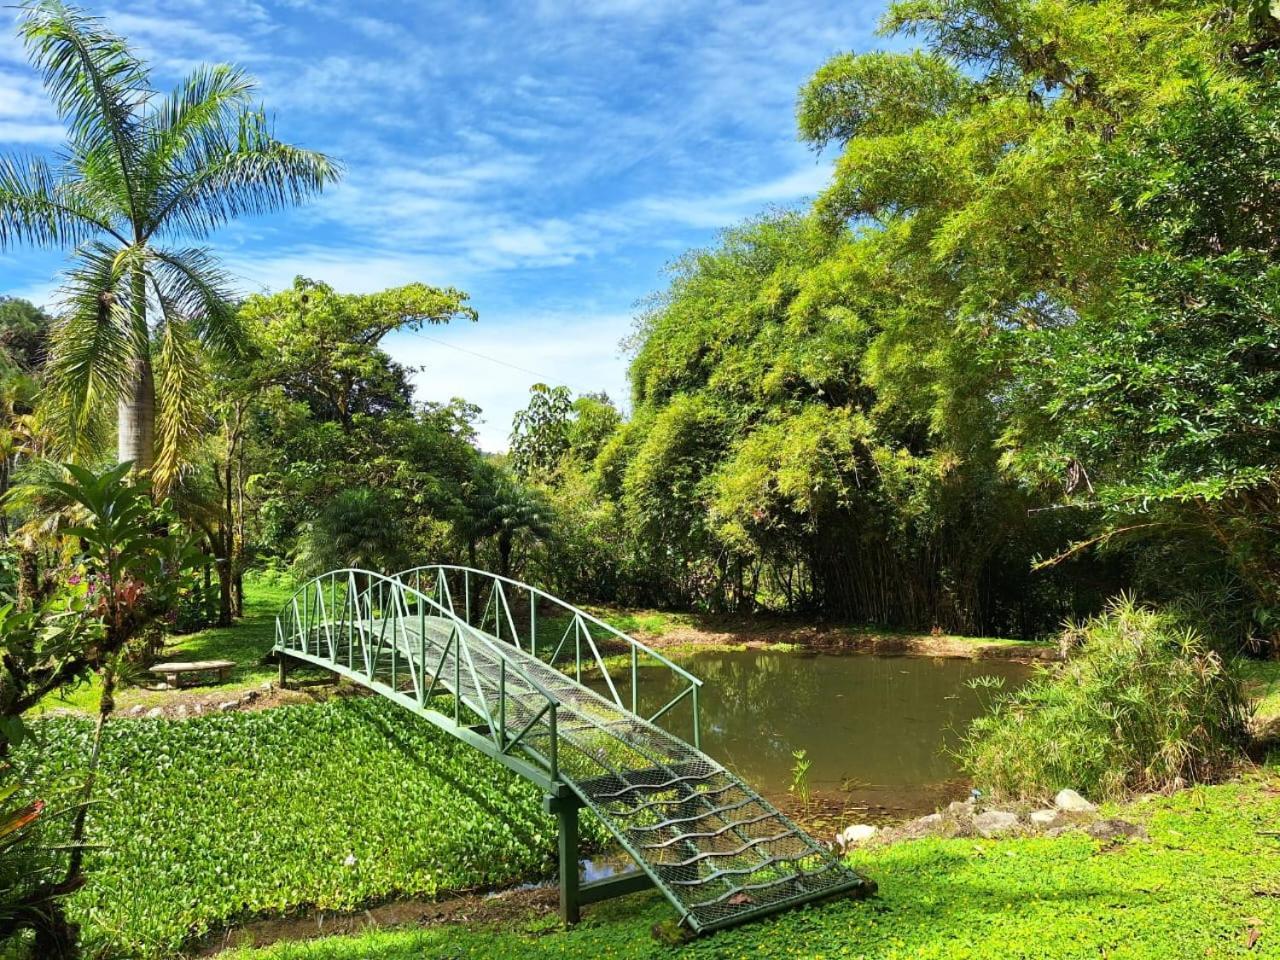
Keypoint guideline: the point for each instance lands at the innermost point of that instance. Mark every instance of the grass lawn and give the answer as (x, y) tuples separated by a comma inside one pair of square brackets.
[(244, 643), (1262, 680), (1206, 885)]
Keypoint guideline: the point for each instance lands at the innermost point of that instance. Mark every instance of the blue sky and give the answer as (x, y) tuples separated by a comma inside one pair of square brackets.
[(547, 156)]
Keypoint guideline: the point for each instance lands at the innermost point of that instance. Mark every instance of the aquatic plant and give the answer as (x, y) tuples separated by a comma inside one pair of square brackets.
[(1143, 703)]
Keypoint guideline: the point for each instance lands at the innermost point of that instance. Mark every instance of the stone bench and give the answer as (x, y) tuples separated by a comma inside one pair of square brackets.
[(172, 672)]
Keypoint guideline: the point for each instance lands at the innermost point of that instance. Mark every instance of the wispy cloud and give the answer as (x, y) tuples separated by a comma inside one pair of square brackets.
[(493, 364), (546, 155)]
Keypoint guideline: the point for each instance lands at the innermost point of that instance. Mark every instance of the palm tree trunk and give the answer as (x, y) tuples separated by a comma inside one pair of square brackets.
[(136, 418), (136, 412)]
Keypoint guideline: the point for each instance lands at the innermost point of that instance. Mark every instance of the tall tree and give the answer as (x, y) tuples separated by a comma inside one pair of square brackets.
[(140, 170)]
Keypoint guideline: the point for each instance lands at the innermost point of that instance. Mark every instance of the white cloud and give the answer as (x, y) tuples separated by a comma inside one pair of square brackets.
[(42, 134), (579, 351)]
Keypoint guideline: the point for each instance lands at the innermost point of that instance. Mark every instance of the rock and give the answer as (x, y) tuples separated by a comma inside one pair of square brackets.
[(1044, 819), (155, 712), (228, 705), (181, 711), (135, 711), (1113, 828), (961, 808), (1068, 801), (923, 826), (857, 834), (250, 696), (993, 823)]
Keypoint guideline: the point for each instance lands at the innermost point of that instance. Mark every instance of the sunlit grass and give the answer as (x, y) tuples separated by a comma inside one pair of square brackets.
[(244, 643)]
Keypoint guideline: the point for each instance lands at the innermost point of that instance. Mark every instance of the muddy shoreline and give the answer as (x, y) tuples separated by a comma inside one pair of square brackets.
[(757, 634)]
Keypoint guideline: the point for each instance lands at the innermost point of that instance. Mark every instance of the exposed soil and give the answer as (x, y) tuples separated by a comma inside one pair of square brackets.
[(759, 633), (519, 904), (199, 700)]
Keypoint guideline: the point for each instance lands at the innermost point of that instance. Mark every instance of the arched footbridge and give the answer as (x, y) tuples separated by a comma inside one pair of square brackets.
[(559, 697)]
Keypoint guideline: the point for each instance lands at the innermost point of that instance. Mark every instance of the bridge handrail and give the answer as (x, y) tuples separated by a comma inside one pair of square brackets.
[(635, 646), (289, 611)]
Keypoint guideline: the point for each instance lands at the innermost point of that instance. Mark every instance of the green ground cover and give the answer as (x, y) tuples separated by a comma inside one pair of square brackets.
[(1262, 682), (217, 818), (1206, 885)]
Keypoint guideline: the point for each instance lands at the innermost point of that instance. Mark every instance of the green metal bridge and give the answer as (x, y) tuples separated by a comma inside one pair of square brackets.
[(506, 667)]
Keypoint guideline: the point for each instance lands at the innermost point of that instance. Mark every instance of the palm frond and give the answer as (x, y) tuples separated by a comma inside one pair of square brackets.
[(39, 207), (95, 82), (242, 169), (193, 286), (95, 342), (207, 101), (181, 385)]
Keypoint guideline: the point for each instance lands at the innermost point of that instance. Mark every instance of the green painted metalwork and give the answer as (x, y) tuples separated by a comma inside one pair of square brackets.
[(716, 849)]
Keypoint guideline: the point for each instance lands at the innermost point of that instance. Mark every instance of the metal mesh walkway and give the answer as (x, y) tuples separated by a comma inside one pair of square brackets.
[(717, 849)]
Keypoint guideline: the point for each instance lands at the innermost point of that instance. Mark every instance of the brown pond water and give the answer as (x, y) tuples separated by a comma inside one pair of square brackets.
[(877, 730)]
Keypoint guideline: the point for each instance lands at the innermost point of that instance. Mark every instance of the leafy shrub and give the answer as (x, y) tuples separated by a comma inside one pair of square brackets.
[(219, 818), (1142, 704)]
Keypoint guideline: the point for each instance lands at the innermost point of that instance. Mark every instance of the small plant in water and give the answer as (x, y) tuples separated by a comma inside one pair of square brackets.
[(800, 776)]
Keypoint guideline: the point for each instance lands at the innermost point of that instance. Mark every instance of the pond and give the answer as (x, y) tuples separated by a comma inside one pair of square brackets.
[(877, 730)]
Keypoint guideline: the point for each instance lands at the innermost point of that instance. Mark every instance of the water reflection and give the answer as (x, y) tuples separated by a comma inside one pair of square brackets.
[(882, 723)]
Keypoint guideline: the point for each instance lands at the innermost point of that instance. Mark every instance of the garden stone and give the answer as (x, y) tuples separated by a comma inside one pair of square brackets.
[(993, 823), (922, 827), (155, 712), (1068, 801), (228, 705), (1113, 828), (960, 808), (134, 711), (1044, 819), (857, 834)]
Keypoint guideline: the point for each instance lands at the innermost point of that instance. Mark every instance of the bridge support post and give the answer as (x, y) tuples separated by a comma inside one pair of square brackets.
[(282, 660), (564, 805), (574, 895)]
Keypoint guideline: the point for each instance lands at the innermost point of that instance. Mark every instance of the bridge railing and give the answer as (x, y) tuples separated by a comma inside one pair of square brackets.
[(509, 610), (394, 637)]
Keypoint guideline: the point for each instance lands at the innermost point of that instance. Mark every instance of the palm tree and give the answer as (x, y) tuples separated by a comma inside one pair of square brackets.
[(141, 169), (492, 503)]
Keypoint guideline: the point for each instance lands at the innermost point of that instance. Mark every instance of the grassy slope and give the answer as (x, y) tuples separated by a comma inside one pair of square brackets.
[(1262, 679), (244, 643), (204, 821), (1209, 875)]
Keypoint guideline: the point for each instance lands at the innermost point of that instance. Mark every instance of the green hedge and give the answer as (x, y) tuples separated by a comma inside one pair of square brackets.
[(219, 818)]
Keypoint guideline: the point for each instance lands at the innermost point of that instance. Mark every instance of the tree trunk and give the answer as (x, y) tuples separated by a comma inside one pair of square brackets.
[(504, 553), (226, 602), (136, 412), (136, 418), (28, 575)]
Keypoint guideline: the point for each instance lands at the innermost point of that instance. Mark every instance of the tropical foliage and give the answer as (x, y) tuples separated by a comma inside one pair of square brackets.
[(141, 170), (1144, 704)]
